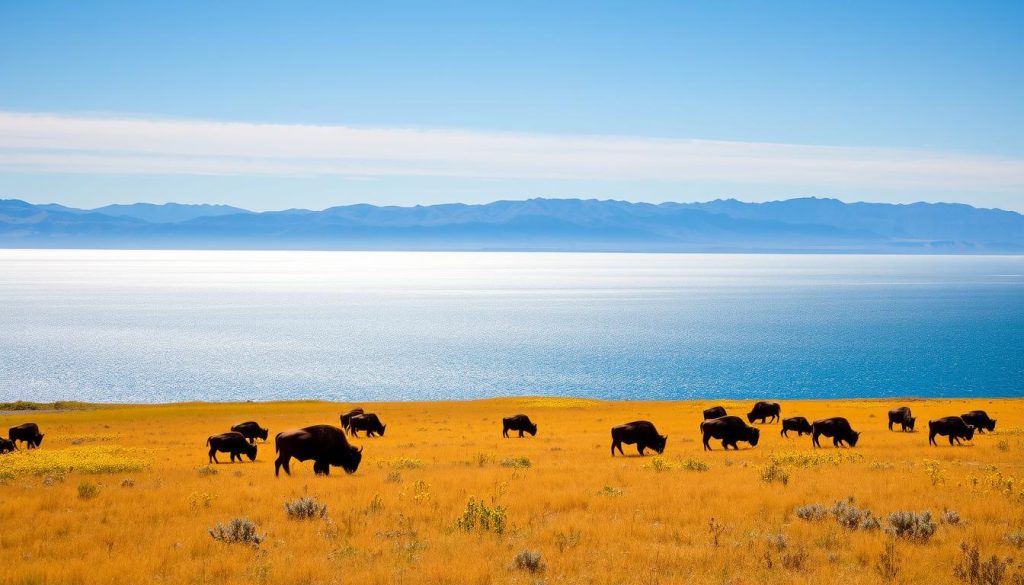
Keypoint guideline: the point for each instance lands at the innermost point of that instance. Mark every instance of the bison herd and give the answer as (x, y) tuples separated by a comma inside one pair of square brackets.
[(328, 446)]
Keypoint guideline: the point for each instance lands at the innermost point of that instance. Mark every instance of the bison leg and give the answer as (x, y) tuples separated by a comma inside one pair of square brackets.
[(212, 455), (640, 448), (504, 432), (321, 468), (706, 438), (282, 461), (951, 437), (814, 439), (784, 432), (617, 444), (520, 434)]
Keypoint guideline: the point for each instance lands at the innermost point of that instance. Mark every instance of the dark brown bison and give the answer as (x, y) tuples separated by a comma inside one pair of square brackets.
[(642, 433), (6, 446), (952, 426), (28, 432), (348, 416), (764, 411), (234, 443), (251, 430), (798, 424), (837, 428), (901, 416), (324, 444), (366, 422), (979, 420), (518, 422), (714, 412), (730, 429)]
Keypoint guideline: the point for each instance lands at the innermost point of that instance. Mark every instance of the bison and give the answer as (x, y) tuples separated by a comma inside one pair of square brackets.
[(796, 423), (953, 426), (366, 422), (730, 429), (28, 432), (324, 444), (979, 420), (518, 422), (901, 416), (234, 443), (640, 432), (714, 412), (6, 445), (764, 411), (837, 428), (348, 416), (251, 430)]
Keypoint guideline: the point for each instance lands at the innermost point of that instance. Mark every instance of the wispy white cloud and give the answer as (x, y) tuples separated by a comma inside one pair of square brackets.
[(44, 143)]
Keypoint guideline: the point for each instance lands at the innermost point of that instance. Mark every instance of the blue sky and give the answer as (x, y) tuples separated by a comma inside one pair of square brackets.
[(312, 104)]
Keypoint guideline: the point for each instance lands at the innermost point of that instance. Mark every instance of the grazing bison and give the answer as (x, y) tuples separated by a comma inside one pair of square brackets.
[(324, 444), (518, 422), (730, 429), (901, 416), (640, 432), (366, 422), (953, 426), (979, 420), (714, 412), (28, 432), (251, 430), (234, 443), (348, 416), (837, 428), (796, 423), (6, 446), (764, 411)]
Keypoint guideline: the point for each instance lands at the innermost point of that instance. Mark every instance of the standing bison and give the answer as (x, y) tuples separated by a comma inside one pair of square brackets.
[(714, 412), (6, 446), (348, 416), (979, 420), (798, 424), (952, 426), (251, 430), (837, 428), (901, 416), (763, 411), (642, 433), (234, 443), (28, 432), (366, 422), (324, 444), (520, 423), (730, 429)]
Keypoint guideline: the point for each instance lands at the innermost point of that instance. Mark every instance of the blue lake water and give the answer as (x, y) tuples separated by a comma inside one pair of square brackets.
[(156, 326)]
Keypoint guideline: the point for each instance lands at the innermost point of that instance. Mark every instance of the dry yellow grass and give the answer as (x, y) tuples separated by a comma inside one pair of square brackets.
[(593, 518)]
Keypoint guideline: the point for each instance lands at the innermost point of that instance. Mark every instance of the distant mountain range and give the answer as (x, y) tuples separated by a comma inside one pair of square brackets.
[(795, 225)]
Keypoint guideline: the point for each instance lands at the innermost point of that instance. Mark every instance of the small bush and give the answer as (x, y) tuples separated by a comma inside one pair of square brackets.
[(794, 559), (1003, 445), (950, 517), (935, 474), (888, 565), (811, 513), (421, 491), (238, 531), (1016, 539), (401, 463), (693, 464), (774, 472), (305, 508), (911, 525), (777, 541), (567, 540), (88, 491), (516, 462), (528, 560), (199, 500), (477, 516), (659, 464), (394, 477), (849, 516), (206, 471), (127, 482), (972, 570), (610, 492)]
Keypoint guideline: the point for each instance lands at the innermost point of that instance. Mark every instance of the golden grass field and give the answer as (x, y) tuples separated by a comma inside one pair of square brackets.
[(138, 501)]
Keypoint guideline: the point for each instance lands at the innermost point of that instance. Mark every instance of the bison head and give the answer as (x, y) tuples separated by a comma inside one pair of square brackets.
[(970, 433), (263, 433), (532, 429), (753, 436), (250, 452), (349, 459), (38, 440), (853, 438), (909, 422), (991, 425), (658, 444), (751, 417)]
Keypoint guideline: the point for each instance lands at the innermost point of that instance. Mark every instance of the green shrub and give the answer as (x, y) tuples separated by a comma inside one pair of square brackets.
[(477, 516), (305, 508), (911, 525), (811, 512), (238, 531), (88, 491), (609, 491), (528, 560), (849, 516), (774, 472), (693, 464), (516, 462)]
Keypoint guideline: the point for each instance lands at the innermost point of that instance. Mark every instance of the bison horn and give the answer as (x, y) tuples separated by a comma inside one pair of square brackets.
[(361, 449)]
